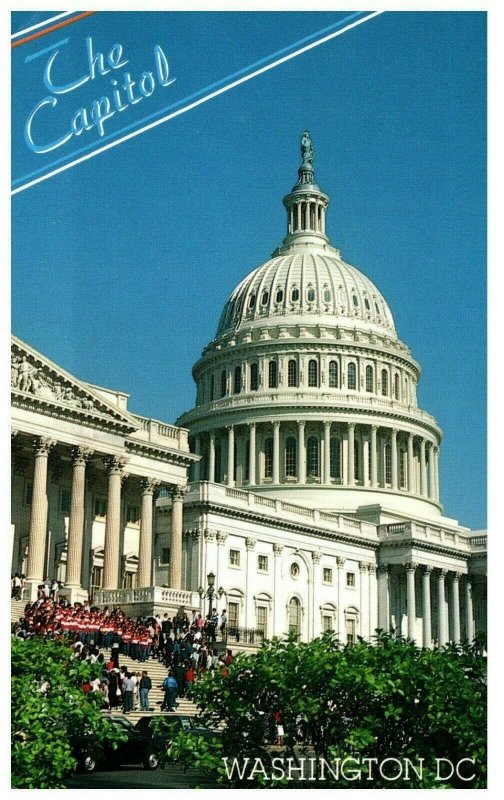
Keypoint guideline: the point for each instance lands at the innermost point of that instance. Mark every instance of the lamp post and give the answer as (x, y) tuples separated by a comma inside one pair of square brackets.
[(209, 593)]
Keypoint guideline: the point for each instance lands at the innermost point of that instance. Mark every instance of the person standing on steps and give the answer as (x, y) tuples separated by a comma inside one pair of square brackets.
[(145, 687), (170, 690)]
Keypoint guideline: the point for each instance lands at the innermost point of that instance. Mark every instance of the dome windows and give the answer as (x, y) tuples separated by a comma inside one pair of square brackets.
[(251, 302), (272, 375), (335, 458), (384, 382), (295, 294), (268, 457), (352, 376), (397, 388), (312, 372), (327, 295), (223, 383), (237, 380), (279, 296), (355, 300), (377, 308), (333, 374), (366, 304), (369, 378), (292, 373), (254, 377), (312, 457), (265, 298), (290, 457), (311, 295)]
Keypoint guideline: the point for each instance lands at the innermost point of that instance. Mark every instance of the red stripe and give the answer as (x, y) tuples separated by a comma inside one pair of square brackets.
[(61, 24)]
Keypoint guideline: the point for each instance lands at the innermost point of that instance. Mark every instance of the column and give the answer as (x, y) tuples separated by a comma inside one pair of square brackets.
[(364, 599), (411, 473), (374, 457), (351, 463), (373, 601), (423, 482), (456, 606), (211, 458), (278, 609), (230, 456), (298, 210), (250, 574), (315, 622), (301, 452), (176, 537), (197, 451), (410, 600), (341, 630), (327, 453), (436, 472), (426, 607), (442, 626), (221, 564), (469, 610), (80, 457), (383, 598), (38, 517), (393, 447), (276, 452), (252, 459), (144, 574), (432, 474), (114, 467)]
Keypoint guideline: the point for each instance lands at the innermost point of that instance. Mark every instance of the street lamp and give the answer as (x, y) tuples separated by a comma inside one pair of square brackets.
[(209, 593)]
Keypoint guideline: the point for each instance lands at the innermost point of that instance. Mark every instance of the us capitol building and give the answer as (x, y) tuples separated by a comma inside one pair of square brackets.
[(302, 490)]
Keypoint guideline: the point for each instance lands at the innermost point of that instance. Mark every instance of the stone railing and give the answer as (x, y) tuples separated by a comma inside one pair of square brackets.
[(478, 543), (296, 397), (428, 533), (151, 594), (242, 499), (162, 433)]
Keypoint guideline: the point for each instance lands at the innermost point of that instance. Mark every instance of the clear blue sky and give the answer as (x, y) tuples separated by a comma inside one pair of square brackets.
[(122, 264)]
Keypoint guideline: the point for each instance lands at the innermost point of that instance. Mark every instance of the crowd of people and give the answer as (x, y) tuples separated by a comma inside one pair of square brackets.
[(186, 646)]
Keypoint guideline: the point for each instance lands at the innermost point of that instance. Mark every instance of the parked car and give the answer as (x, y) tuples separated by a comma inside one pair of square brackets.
[(141, 746)]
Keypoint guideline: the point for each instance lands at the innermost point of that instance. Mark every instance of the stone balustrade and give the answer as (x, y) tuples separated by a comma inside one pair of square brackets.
[(152, 594)]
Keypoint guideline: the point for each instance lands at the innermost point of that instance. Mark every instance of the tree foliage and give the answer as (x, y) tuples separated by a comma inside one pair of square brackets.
[(50, 713), (387, 699)]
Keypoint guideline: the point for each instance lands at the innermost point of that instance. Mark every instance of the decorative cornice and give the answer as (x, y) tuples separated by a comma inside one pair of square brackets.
[(81, 455), (42, 445), (114, 465), (149, 485)]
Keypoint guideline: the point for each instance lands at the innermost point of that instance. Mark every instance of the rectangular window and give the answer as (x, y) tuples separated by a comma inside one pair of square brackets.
[(100, 507), (233, 615), (350, 580), (268, 457), (262, 620), (234, 558), (129, 580), (262, 563), (327, 623), (165, 556), (132, 515), (28, 494), (350, 631), (65, 499), (327, 575)]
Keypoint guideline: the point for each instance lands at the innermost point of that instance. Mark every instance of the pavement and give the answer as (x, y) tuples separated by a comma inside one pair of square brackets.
[(170, 777)]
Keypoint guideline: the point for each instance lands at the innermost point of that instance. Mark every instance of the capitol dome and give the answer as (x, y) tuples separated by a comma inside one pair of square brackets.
[(306, 392)]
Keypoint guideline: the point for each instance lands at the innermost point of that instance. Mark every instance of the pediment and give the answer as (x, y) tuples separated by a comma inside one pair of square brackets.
[(34, 377)]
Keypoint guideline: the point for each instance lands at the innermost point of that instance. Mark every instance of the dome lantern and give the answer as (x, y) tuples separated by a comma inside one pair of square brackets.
[(306, 204)]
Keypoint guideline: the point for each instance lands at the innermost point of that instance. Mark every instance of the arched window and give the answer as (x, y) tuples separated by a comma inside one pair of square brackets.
[(246, 471), (333, 374), (237, 380), (310, 295), (265, 298), (223, 382), (388, 464), (272, 375), (254, 377), (355, 300), (252, 300), (312, 457), (312, 372), (356, 456), (268, 457), (366, 303), (335, 458), (292, 378), (290, 457), (352, 376), (279, 295), (212, 386), (295, 295), (218, 463), (294, 616), (397, 393), (369, 379), (384, 382), (327, 295)]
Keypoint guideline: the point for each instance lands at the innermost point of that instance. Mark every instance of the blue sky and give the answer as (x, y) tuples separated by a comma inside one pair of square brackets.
[(122, 264)]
